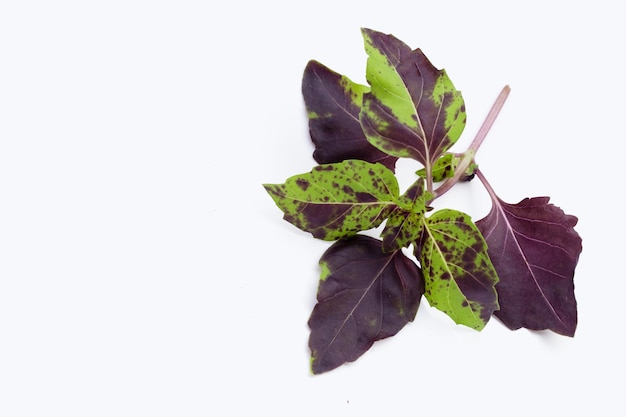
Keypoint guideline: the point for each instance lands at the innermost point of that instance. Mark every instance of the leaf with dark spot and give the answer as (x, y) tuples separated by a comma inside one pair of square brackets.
[(337, 200), (460, 278), (404, 225), (442, 168), (535, 249), (445, 167), (412, 109), (364, 295), (333, 104), (401, 229)]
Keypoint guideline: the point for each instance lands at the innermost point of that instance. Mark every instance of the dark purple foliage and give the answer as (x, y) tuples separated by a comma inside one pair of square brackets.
[(535, 249), (364, 295), (334, 118)]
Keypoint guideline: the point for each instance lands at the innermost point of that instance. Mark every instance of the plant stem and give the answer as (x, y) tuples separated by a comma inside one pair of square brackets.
[(482, 179), (468, 156)]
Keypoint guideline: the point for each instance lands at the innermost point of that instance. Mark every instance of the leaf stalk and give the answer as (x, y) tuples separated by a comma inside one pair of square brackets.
[(468, 156)]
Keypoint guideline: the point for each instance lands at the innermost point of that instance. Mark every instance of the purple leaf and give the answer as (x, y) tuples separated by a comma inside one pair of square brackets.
[(535, 249), (364, 295), (333, 104)]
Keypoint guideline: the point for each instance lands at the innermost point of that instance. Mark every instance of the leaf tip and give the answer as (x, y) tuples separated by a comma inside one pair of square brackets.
[(271, 189)]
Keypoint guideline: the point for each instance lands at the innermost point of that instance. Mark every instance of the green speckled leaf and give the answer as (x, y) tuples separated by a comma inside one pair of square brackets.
[(413, 110), (445, 167), (460, 278), (404, 225), (401, 229), (337, 200)]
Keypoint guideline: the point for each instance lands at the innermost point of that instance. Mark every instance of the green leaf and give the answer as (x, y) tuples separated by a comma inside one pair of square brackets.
[(445, 167), (413, 110), (403, 227), (460, 278), (337, 200), (415, 197)]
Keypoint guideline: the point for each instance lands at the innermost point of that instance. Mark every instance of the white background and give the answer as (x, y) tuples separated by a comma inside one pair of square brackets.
[(145, 271)]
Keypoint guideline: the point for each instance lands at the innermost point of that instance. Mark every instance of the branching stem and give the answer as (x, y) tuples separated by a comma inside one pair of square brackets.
[(468, 156), (482, 179)]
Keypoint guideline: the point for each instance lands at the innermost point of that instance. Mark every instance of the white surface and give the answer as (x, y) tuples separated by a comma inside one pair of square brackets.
[(145, 271)]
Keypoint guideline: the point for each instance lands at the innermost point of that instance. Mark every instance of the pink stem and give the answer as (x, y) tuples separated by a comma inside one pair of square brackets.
[(468, 156)]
